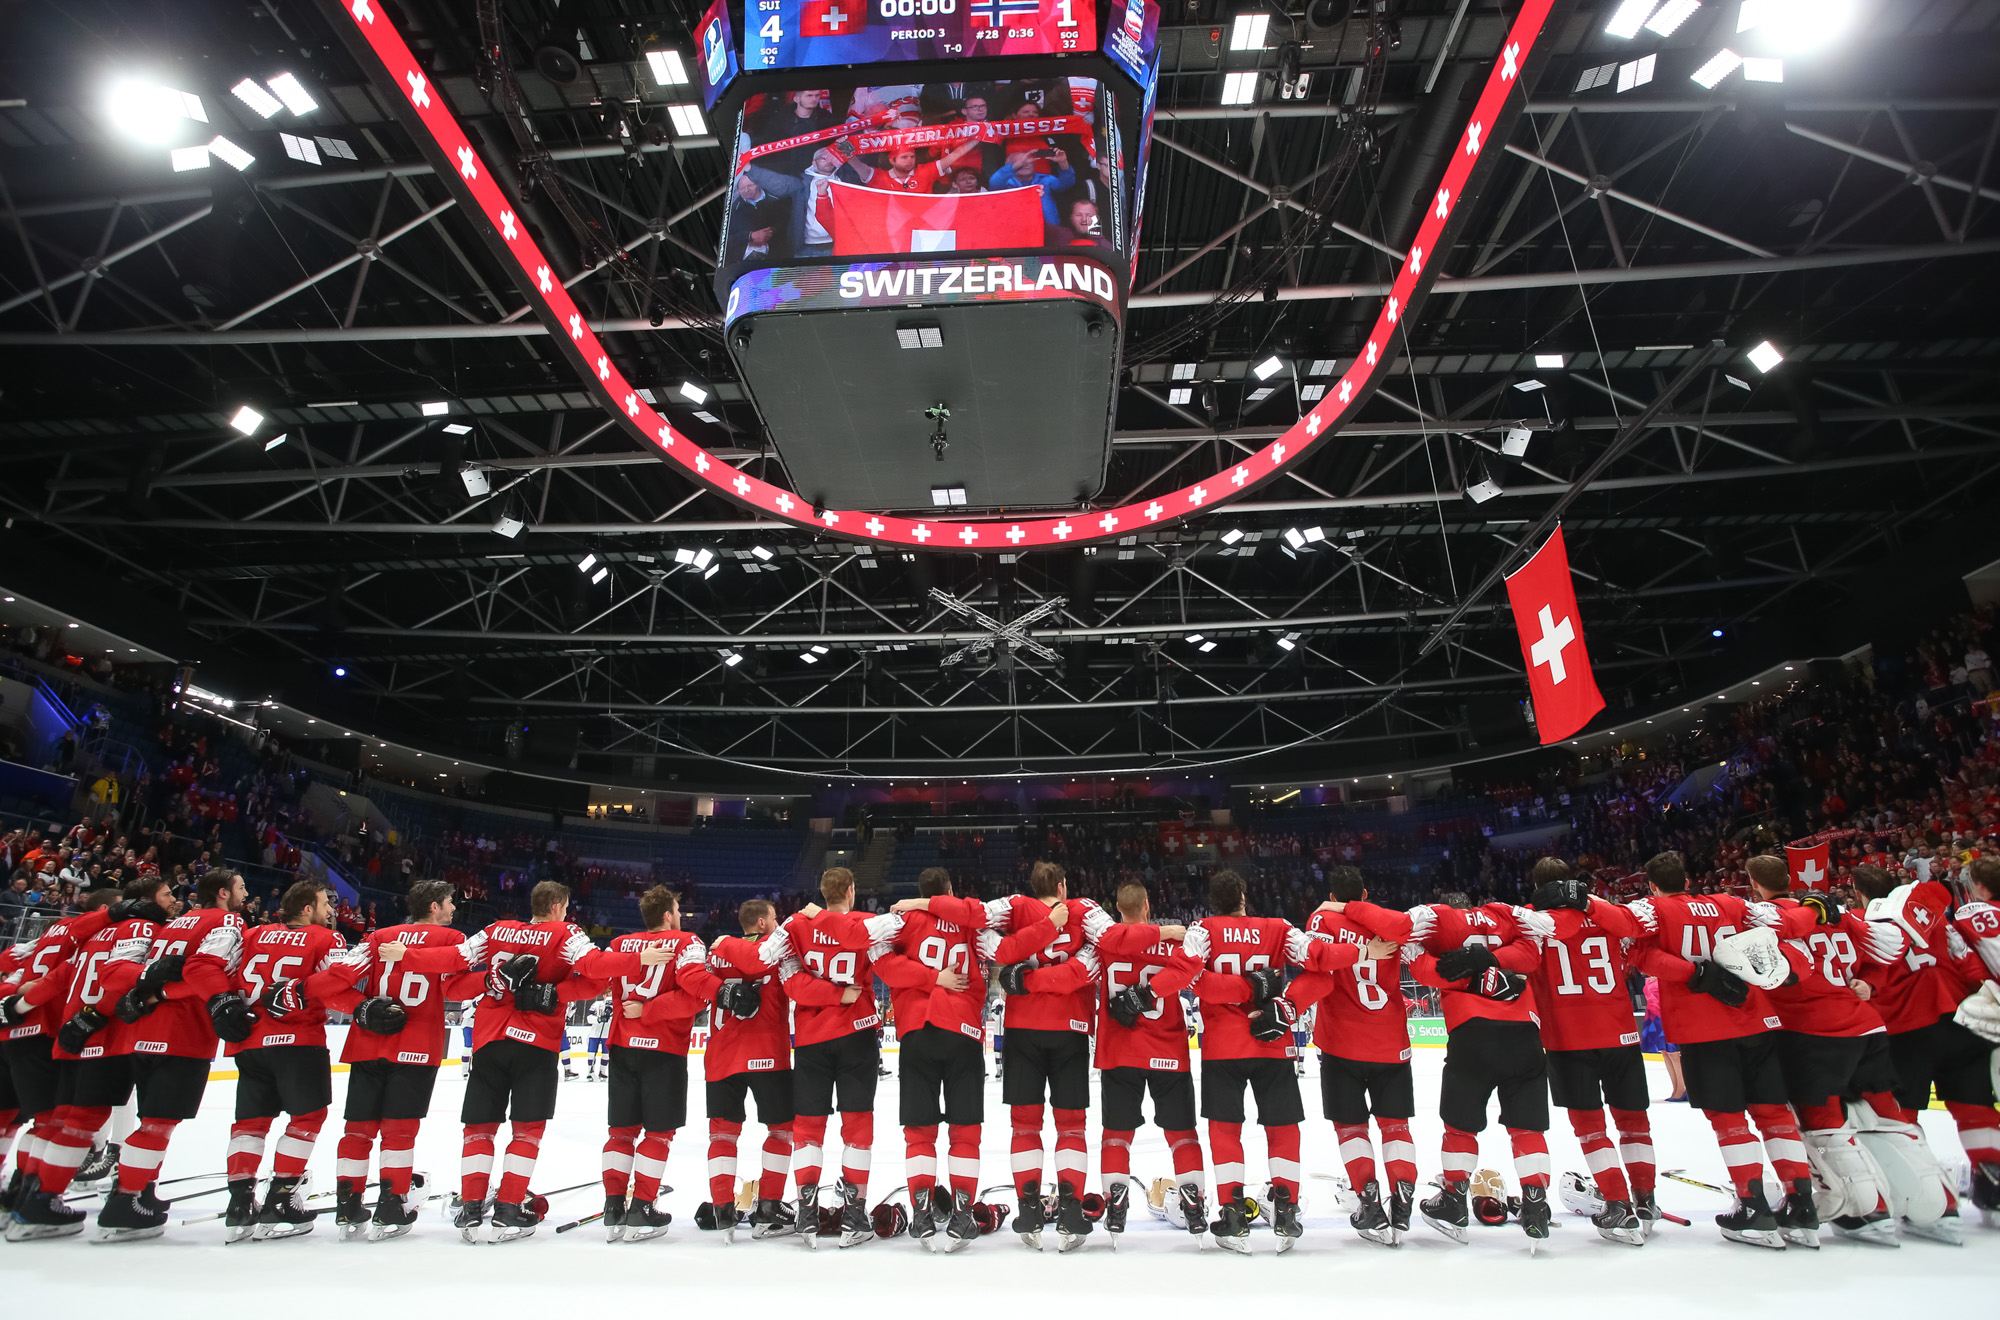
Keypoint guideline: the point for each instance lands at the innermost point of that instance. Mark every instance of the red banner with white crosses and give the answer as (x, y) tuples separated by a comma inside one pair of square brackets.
[(463, 171)]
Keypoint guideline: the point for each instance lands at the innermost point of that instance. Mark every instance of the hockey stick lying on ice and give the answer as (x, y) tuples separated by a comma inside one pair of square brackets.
[(1680, 1176), (168, 1182), (317, 1196), (579, 1223)]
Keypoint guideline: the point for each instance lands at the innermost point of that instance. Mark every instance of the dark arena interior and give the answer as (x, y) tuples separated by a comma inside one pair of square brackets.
[(1524, 458)]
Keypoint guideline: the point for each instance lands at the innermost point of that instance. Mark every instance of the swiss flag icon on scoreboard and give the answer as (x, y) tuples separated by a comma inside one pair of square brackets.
[(1551, 630), (1810, 867), (832, 18)]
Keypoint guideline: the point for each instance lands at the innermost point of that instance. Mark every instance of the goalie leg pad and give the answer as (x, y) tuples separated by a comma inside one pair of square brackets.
[(1912, 1181), (1847, 1183)]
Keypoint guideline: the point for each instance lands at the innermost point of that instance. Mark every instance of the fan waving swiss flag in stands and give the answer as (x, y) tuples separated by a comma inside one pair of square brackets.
[(1810, 864), (1551, 630)]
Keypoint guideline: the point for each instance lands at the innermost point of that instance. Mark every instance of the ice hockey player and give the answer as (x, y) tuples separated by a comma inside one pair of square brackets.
[(1479, 957), (834, 1049), (596, 1023), (749, 1054), (533, 969), (939, 996), (1048, 1042), (282, 1065), (1364, 1065), (1235, 963), (1726, 1029), (37, 976), (1977, 922), (1592, 1043), (1919, 997), (177, 993)]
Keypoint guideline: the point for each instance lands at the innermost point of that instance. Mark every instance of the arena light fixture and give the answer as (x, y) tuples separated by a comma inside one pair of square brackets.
[(148, 112), (1247, 32), (476, 481), (458, 428), (1595, 77), (508, 526), (603, 572), (687, 121), (434, 409), (1759, 69), (923, 334), (1185, 370), (944, 497), (1294, 538), (1289, 641), (235, 157), (809, 657), (1549, 361), (819, 650), (1239, 88), (732, 658), (1719, 66), (293, 94), (1765, 356), (693, 393), (276, 440), (1194, 639), (1529, 386), (1629, 17), (1206, 647), (1671, 15), (588, 562), (253, 94), (1485, 487), (760, 552), (1737, 381), (247, 420), (1515, 442), (1794, 25), (1312, 393), (669, 69), (1315, 534), (184, 159), (1268, 368), (1232, 536)]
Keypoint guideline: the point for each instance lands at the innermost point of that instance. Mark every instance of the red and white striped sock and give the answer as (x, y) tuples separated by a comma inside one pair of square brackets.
[(524, 1143), (616, 1162), (920, 1162), (1531, 1157), (1281, 1150), (1459, 1155), (857, 1148), (1635, 1147), (399, 1153), (140, 1157), (68, 1145), (246, 1148), (1114, 1158), (1356, 1154), (1588, 1124), (722, 1138), (649, 1165), (1027, 1146), (10, 1128), (962, 1159), (351, 1152), (777, 1163), (295, 1144), (808, 1146), (1185, 1147), (1225, 1153), (475, 1161), (35, 1146), (1978, 1131), (1782, 1143), (1399, 1152), (1740, 1151), (1072, 1153)]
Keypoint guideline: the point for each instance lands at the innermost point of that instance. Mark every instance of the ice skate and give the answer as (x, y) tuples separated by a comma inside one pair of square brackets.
[(1231, 1229), (1031, 1215), (512, 1222), (1117, 1204), (1401, 1199), (126, 1218), (468, 1219), (771, 1218), (725, 1215), (808, 1217), (1751, 1222), (855, 1225), (1072, 1227), (1878, 1229), (1647, 1207), (393, 1216), (284, 1214), (1193, 1208), (1448, 1212), (350, 1215), (614, 1218), (961, 1228), (1535, 1215), (1944, 1229), (1285, 1219), (40, 1215), (1369, 1219), (928, 1218), (239, 1221), (1798, 1217), (1619, 1222), (644, 1220), (101, 1163)]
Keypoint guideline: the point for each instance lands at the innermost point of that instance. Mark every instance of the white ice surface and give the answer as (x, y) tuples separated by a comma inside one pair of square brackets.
[(1157, 1271)]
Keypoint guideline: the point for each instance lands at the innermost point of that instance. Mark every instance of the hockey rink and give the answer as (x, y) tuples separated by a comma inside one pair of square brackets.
[(1156, 1270)]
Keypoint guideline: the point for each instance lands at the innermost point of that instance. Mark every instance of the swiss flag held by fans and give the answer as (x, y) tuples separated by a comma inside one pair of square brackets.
[(1811, 867), (1551, 629), (832, 18), (870, 220), (1173, 838)]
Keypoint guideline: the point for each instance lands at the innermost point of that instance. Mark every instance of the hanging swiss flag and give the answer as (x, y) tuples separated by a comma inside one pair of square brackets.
[(1810, 867), (870, 220), (1545, 615)]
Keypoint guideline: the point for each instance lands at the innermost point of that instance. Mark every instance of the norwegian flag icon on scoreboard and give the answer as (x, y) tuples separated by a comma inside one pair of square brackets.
[(1135, 19), (999, 13), (832, 18)]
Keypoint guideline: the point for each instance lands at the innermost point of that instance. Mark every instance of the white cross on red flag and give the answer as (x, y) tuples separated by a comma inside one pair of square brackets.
[(1551, 629), (1810, 867)]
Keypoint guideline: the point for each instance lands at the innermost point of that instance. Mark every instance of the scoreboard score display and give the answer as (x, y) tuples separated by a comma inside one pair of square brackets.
[(791, 34)]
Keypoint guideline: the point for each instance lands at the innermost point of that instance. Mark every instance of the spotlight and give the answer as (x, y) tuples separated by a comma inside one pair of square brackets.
[(1232, 536), (235, 157), (1239, 88), (247, 420), (1515, 443), (1672, 14), (1715, 632), (588, 562), (669, 69), (1289, 641), (340, 671), (1193, 638), (1247, 32), (296, 98), (434, 409), (458, 428), (693, 393), (275, 441), (252, 93), (184, 159), (1629, 17), (1294, 539), (1315, 534), (602, 573), (1483, 489), (686, 120), (1757, 69), (1795, 25), (509, 527), (1719, 66), (1180, 395), (151, 113), (1549, 361), (1764, 357), (1529, 386), (1206, 647), (1268, 368), (760, 552), (477, 483), (702, 558), (732, 659), (1184, 370)]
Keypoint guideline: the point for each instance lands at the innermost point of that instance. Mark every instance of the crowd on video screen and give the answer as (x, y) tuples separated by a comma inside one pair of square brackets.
[(932, 140)]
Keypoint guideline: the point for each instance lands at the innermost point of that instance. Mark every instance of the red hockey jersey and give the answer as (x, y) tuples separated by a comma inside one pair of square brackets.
[(361, 974), (1822, 1002), (828, 952), (1361, 1015), (1212, 960), (1978, 924), (953, 935), (211, 941), (1055, 1010), (48, 960), (760, 1043), (665, 1021), (89, 988), (565, 958), (1579, 984), (1513, 934), (1133, 954), (285, 953), (1685, 927)]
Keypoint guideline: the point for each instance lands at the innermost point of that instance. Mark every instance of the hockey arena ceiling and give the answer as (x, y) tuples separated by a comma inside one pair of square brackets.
[(1642, 234)]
